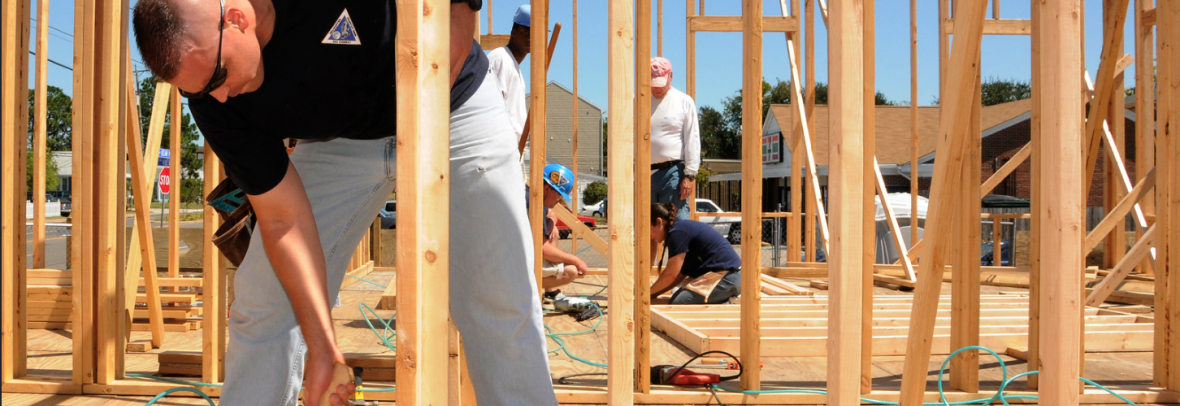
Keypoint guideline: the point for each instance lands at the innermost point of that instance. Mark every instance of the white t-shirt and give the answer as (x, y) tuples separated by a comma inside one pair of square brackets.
[(504, 67), (674, 131)]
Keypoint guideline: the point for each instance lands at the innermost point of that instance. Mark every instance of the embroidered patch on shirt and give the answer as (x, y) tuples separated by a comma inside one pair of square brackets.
[(343, 32)]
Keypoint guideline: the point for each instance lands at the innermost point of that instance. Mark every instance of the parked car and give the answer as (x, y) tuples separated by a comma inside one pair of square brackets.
[(1007, 255), (596, 209), (388, 215), (564, 231), (723, 225)]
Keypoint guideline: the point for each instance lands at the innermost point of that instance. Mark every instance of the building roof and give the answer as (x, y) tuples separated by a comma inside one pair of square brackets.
[(893, 128)]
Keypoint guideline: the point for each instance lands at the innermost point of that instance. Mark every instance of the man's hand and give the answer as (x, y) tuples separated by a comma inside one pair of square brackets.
[(581, 266), (687, 187), (318, 374)]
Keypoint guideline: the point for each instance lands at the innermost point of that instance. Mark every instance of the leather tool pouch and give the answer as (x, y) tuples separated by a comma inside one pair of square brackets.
[(233, 237)]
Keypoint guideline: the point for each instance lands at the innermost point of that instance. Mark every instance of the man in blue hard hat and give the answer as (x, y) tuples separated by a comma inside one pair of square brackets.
[(558, 267)]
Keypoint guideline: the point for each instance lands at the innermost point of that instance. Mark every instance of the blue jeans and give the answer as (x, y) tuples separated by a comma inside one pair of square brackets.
[(665, 188), (493, 294), (730, 286)]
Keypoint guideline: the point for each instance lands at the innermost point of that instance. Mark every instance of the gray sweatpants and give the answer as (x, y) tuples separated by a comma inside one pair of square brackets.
[(493, 293)]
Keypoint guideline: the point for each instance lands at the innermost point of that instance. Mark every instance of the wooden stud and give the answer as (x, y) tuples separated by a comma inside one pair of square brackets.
[(751, 189), (867, 143), (177, 182), (14, 119), (660, 27), (536, 125), (620, 186), (424, 193), (809, 204), (1034, 272), (1167, 147), (704, 23), (1063, 208), (108, 277), (1119, 212), (794, 226), (846, 172), (964, 373), (997, 27), (1112, 40), (213, 349), (690, 54), (575, 203), (643, 192), (40, 120), (914, 121), (138, 253), (960, 77), (1147, 145)]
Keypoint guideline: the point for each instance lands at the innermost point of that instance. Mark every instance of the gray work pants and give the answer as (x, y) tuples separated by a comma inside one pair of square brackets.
[(493, 294)]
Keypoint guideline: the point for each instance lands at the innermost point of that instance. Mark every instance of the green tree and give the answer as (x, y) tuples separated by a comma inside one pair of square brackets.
[(717, 139), (594, 193), (996, 91), (52, 181), (190, 164), (59, 119)]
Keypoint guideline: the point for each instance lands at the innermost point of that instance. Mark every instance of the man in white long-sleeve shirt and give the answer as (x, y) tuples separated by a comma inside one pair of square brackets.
[(675, 140), (504, 63)]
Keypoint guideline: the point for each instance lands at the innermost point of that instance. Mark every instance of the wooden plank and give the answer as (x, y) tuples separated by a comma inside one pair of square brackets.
[(1124, 267), (690, 53), (1167, 148), (794, 226), (1097, 341), (176, 282), (148, 169), (580, 229), (643, 195), (734, 24), (914, 119), (847, 176), (177, 182), (960, 78), (493, 41), (574, 202), (752, 25), (40, 120), (1118, 214), (108, 277), (809, 205), (868, 151), (1111, 48), (1034, 275), (423, 168), (965, 284), (14, 119), (815, 203), (143, 222), (996, 26), (211, 269), (903, 253), (677, 330), (791, 288), (1064, 200), (620, 186), (359, 272)]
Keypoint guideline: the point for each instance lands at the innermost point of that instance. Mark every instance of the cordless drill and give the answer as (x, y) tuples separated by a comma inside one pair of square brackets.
[(675, 375)]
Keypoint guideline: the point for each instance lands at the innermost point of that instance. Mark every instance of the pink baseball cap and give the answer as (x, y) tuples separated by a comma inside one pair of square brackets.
[(660, 70)]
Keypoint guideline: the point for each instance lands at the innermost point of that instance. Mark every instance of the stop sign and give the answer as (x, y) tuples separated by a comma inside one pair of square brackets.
[(165, 181)]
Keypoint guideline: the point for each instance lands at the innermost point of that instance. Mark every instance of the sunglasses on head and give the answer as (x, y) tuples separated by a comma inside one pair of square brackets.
[(219, 72)]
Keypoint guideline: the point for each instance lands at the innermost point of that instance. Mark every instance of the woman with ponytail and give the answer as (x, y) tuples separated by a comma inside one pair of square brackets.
[(700, 261)]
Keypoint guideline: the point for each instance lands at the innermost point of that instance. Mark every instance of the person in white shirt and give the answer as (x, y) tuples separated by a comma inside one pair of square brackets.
[(675, 140), (504, 63)]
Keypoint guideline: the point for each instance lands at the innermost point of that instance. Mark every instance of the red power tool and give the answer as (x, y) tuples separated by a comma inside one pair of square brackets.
[(674, 375)]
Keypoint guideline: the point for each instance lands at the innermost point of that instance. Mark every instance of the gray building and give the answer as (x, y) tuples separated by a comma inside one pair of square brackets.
[(559, 130)]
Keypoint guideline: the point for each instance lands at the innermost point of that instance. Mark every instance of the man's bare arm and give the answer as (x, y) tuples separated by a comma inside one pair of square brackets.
[(462, 34)]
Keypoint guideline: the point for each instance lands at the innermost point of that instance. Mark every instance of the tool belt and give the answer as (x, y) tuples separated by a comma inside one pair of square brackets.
[(233, 237), (703, 285), (665, 165)]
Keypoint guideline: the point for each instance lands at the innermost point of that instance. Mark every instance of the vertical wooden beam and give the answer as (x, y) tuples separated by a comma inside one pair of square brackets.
[(1063, 208), (1112, 40), (995, 9), (690, 52), (213, 349), (13, 139), (868, 195), (751, 192), (846, 187), (914, 173), (575, 204), (108, 277), (998, 239), (1144, 113), (1034, 272), (965, 285), (621, 188), (794, 225), (177, 181), (960, 80), (536, 122), (83, 229), (424, 193), (809, 204), (660, 27), (1167, 147), (1116, 243), (39, 122), (643, 192)]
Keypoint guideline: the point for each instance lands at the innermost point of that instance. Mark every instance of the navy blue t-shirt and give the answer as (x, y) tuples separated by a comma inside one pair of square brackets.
[(329, 73), (707, 250)]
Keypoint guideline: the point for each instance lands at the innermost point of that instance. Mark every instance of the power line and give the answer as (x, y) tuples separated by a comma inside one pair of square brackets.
[(71, 40), (53, 62)]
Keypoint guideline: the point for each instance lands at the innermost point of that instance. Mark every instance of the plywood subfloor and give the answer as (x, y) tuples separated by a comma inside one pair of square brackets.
[(49, 352)]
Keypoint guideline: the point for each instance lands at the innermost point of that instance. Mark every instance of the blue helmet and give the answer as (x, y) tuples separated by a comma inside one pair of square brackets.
[(560, 179)]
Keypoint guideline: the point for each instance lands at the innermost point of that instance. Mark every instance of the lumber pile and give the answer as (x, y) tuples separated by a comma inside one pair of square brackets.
[(377, 367), (798, 326), (51, 299), (182, 310)]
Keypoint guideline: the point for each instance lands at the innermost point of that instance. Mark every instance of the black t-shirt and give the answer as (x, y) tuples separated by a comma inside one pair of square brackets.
[(329, 73), (707, 250)]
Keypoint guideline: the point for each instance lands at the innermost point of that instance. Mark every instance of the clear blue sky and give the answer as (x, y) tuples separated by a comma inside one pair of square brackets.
[(719, 55)]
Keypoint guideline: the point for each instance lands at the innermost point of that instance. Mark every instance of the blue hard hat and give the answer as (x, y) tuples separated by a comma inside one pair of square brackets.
[(524, 15), (560, 179)]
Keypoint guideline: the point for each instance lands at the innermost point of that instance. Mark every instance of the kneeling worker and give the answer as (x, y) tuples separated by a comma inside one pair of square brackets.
[(700, 261), (558, 267)]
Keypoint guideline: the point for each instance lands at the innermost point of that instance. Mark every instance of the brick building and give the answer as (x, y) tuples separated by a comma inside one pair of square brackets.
[(1005, 129)]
